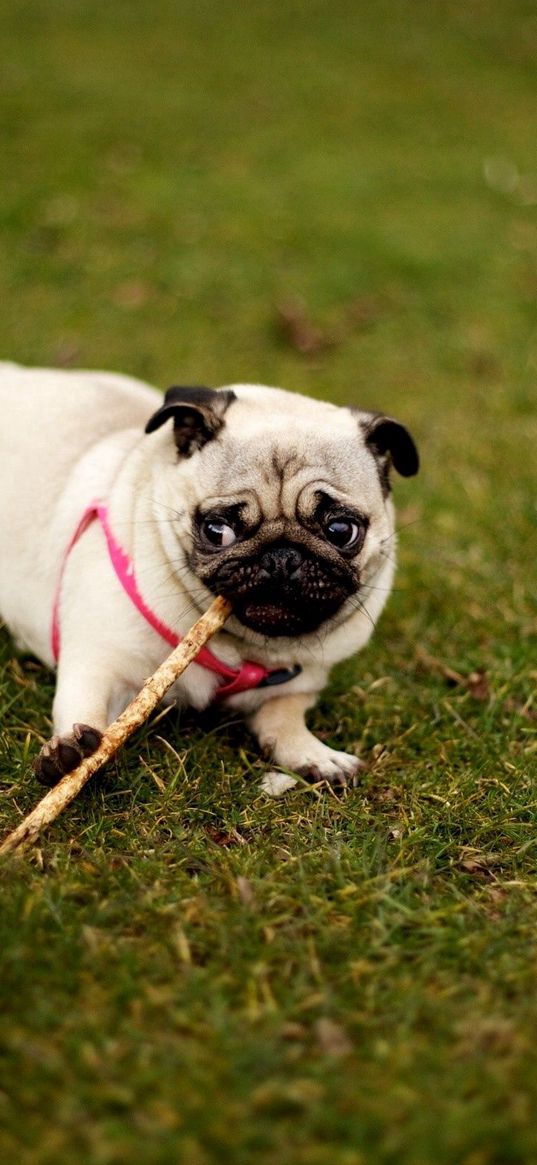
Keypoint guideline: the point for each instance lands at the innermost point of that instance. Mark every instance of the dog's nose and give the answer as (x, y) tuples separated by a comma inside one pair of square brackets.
[(281, 562)]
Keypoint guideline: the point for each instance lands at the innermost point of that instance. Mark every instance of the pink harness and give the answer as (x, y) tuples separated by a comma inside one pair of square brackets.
[(248, 676)]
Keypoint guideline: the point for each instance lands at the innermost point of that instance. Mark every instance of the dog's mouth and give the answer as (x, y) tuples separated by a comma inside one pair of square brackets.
[(267, 615), (274, 607), (275, 618)]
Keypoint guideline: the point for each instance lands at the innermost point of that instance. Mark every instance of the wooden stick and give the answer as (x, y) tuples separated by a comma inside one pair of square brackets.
[(117, 733)]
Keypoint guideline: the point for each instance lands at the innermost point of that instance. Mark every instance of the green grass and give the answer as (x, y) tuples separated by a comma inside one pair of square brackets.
[(193, 973)]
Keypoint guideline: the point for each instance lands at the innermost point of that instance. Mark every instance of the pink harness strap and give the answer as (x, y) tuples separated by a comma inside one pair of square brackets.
[(249, 675)]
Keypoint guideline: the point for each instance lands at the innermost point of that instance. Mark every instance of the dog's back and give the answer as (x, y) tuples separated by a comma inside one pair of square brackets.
[(49, 420)]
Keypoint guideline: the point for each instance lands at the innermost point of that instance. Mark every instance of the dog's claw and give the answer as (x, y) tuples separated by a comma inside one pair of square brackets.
[(88, 739), (337, 781), (62, 754), (338, 776), (67, 756)]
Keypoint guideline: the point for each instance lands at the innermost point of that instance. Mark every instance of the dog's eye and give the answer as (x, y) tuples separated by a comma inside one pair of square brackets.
[(343, 533), (218, 533)]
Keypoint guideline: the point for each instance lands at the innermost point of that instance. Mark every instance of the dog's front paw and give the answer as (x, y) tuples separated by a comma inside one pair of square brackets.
[(338, 769), (62, 754), (316, 762)]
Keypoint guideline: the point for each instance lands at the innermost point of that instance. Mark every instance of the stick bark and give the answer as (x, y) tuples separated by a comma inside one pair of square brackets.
[(119, 731)]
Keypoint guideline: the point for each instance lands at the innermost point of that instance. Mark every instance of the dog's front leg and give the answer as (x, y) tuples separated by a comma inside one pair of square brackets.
[(279, 725), (81, 712)]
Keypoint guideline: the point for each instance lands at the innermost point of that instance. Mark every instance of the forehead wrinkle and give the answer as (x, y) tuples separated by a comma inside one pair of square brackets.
[(271, 470), (258, 473)]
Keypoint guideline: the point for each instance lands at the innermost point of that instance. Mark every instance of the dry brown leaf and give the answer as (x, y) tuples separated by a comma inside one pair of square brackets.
[(298, 330), (516, 708), (332, 1038), (476, 863), (476, 683), (293, 1031), (225, 839), (246, 892)]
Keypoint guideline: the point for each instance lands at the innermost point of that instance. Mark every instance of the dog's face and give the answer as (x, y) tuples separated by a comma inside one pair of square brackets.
[(282, 502)]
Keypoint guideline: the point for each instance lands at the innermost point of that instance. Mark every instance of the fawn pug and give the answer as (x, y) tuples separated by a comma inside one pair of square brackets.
[(122, 513)]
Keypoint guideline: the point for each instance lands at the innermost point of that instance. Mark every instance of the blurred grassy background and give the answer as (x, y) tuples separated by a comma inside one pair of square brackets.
[(191, 973)]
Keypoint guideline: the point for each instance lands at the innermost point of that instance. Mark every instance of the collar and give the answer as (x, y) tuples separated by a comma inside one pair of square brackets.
[(248, 676)]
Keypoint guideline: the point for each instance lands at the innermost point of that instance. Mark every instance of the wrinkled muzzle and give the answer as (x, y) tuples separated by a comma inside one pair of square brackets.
[(282, 591)]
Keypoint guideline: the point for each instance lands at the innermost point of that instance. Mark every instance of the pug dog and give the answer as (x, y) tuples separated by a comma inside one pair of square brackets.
[(123, 513)]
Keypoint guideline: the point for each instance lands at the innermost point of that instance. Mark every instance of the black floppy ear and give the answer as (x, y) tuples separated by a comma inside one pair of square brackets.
[(198, 415), (391, 444)]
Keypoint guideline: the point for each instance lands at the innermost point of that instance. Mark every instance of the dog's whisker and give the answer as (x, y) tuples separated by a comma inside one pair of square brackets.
[(388, 557), (359, 606), (383, 590), (406, 526), (165, 506), (179, 565), (134, 523)]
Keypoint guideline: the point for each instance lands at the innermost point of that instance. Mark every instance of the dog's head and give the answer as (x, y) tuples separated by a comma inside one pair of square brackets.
[(282, 502)]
